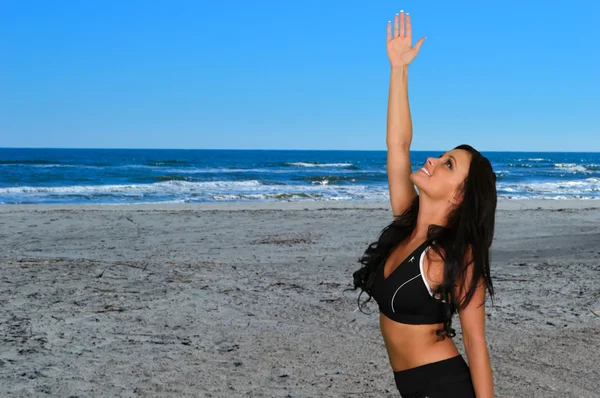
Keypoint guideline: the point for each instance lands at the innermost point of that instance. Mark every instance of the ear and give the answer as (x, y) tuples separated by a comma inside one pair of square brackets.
[(458, 198)]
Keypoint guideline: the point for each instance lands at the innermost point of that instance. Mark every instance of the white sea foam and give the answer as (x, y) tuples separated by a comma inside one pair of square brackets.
[(533, 160), (521, 165), (254, 190), (571, 167), (134, 188), (502, 172), (589, 187), (200, 191), (52, 166), (198, 170), (303, 164)]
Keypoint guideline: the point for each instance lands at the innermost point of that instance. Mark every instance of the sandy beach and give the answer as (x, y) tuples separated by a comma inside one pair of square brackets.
[(247, 300)]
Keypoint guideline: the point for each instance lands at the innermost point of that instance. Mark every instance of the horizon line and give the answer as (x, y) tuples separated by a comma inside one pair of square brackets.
[(287, 149)]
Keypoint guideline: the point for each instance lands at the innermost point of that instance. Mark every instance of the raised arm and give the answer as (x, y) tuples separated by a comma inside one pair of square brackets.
[(399, 124)]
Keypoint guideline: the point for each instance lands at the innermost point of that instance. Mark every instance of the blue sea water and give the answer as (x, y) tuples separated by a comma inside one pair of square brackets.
[(110, 176)]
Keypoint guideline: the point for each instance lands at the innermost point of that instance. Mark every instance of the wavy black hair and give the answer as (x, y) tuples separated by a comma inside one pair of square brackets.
[(468, 234)]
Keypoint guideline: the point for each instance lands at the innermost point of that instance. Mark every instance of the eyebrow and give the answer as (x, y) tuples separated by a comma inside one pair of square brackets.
[(455, 162)]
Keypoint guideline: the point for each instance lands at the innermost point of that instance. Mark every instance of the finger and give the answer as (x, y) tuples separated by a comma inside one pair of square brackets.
[(389, 30), (408, 28), (419, 43), (402, 23), (396, 25)]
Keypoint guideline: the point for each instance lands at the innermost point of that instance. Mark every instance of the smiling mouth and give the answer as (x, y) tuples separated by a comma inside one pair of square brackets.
[(424, 170)]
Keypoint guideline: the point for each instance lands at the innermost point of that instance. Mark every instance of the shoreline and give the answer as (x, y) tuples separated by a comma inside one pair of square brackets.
[(503, 204)]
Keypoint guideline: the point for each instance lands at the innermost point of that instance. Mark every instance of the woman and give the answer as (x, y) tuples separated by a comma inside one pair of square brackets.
[(433, 259)]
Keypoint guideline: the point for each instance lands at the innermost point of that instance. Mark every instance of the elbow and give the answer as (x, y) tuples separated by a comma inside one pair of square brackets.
[(476, 342), (398, 145)]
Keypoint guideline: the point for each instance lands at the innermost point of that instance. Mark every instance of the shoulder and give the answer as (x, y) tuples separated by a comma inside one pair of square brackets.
[(433, 265), (434, 262)]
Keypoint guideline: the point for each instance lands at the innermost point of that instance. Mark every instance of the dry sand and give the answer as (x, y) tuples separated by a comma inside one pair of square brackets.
[(246, 300)]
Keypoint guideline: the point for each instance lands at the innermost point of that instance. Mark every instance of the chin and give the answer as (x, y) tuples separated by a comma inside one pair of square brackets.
[(414, 176), (416, 179)]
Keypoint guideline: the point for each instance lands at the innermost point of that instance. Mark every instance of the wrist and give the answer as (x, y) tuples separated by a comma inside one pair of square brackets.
[(399, 69)]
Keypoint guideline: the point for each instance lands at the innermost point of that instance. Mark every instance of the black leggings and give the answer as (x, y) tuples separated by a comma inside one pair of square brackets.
[(449, 378)]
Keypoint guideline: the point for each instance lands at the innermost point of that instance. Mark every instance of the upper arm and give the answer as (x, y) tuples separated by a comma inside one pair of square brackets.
[(402, 190), (472, 317)]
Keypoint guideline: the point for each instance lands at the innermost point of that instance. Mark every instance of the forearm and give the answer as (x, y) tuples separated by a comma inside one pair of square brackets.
[(399, 123), (481, 369)]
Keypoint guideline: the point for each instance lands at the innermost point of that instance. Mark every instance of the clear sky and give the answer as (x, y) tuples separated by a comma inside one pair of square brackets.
[(312, 74)]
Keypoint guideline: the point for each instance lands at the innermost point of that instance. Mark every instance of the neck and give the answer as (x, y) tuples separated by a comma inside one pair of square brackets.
[(430, 213)]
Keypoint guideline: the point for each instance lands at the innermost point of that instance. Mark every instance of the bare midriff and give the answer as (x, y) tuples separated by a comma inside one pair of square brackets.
[(409, 346)]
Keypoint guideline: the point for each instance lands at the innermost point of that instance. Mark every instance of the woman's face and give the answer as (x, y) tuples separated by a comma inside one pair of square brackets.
[(441, 178)]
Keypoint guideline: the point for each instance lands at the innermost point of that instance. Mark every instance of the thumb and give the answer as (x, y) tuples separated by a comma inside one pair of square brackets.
[(419, 43)]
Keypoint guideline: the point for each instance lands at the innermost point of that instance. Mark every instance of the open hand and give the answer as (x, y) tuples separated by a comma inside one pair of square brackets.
[(399, 46)]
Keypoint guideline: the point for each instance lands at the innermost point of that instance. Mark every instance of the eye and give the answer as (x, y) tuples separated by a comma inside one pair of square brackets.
[(449, 163)]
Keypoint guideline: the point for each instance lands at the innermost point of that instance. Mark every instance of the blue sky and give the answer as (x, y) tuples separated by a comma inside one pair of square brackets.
[(516, 76)]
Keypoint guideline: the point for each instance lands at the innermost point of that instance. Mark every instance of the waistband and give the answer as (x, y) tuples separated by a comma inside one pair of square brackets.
[(416, 378)]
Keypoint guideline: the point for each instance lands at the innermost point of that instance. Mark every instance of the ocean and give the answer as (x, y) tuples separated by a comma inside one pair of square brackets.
[(130, 176)]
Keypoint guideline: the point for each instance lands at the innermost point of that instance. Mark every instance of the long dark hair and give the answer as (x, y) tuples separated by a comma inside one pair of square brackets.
[(469, 225)]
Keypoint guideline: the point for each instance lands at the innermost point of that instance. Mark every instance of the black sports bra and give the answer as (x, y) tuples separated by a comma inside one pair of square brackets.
[(404, 295)]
